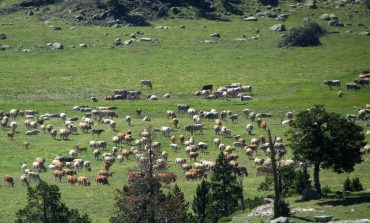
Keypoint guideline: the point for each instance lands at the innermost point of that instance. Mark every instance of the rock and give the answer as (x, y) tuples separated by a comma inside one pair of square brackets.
[(360, 24), (4, 47), (215, 35), (79, 17), (83, 45), (2, 36), (71, 28), (309, 194), (26, 50), (333, 16), (128, 42), (311, 4), (55, 27), (105, 34), (282, 17), (57, 46), (146, 39), (323, 218), (271, 14), (367, 133), (72, 46), (257, 30), (269, 7), (240, 39), (278, 27), (30, 13), (280, 220), (117, 42), (335, 23), (116, 26), (251, 18), (325, 17), (182, 27), (365, 33), (210, 41)]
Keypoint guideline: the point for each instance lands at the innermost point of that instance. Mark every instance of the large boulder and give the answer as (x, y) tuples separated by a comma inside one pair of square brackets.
[(251, 18), (325, 17), (57, 46), (278, 27), (215, 35), (311, 4)]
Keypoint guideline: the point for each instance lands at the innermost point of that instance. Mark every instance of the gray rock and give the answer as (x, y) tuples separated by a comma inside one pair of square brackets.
[(333, 16), (116, 26), (368, 131), (280, 220), (335, 23), (241, 39), (71, 28), (55, 27), (57, 46), (2, 36), (128, 42), (323, 218), (311, 4), (215, 35), (29, 13), (251, 18), (83, 45), (146, 39), (182, 27), (325, 17), (4, 47), (210, 41), (117, 42), (278, 27), (105, 34), (271, 14), (269, 7), (26, 50), (282, 17), (365, 34)]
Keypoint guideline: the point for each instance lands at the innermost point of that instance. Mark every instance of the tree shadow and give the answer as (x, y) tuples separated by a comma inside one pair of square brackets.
[(358, 198), (301, 218)]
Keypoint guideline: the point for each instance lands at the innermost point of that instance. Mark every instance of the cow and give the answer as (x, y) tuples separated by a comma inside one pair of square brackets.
[(353, 86), (9, 180), (33, 176), (97, 131), (193, 128), (24, 180), (362, 81), (181, 107), (331, 83), (147, 83), (58, 174), (83, 181), (102, 180), (207, 87)]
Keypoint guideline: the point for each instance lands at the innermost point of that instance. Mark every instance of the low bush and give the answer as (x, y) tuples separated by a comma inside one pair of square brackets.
[(308, 35)]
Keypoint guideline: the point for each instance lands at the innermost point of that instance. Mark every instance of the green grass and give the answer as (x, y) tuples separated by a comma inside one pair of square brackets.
[(179, 63)]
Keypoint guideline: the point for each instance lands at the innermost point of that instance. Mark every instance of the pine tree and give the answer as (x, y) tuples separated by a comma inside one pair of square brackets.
[(225, 192), (201, 201), (44, 206)]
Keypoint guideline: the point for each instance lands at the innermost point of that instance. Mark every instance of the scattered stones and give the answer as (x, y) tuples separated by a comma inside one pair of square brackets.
[(83, 45), (57, 46), (251, 18), (278, 27), (323, 218), (146, 39), (2, 36), (215, 35)]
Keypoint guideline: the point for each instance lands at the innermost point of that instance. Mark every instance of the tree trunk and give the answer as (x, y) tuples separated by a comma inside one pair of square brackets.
[(275, 176), (316, 177)]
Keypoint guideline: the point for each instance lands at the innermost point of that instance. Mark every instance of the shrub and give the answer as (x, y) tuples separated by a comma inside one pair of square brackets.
[(347, 186), (308, 35), (302, 181), (254, 202), (326, 190), (356, 184)]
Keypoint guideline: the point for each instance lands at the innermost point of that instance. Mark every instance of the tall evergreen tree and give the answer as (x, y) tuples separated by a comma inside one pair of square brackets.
[(225, 190), (327, 140), (201, 201), (44, 206)]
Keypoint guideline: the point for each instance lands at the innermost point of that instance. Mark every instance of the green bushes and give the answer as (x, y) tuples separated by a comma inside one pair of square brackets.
[(308, 35), (352, 185)]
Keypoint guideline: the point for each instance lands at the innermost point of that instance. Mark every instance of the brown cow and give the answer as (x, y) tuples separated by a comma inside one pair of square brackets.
[(194, 155), (9, 180), (133, 176), (182, 139), (59, 174), (175, 122), (102, 180), (125, 153), (70, 172), (72, 180), (167, 177), (84, 181), (105, 173)]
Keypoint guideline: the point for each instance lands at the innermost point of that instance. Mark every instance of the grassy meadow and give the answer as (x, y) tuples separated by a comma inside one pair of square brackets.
[(179, 62)]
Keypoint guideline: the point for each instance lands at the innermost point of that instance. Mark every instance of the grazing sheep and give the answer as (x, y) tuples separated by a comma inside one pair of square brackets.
[(249, 128)]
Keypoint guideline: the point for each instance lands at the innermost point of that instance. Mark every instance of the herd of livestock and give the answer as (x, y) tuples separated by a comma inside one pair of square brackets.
[(124, 145)]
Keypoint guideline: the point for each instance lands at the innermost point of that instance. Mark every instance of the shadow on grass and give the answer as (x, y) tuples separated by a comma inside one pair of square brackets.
[(301, 218), (358, 198)]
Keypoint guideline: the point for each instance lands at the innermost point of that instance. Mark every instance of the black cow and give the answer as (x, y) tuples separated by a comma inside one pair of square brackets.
[(208, 87)]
